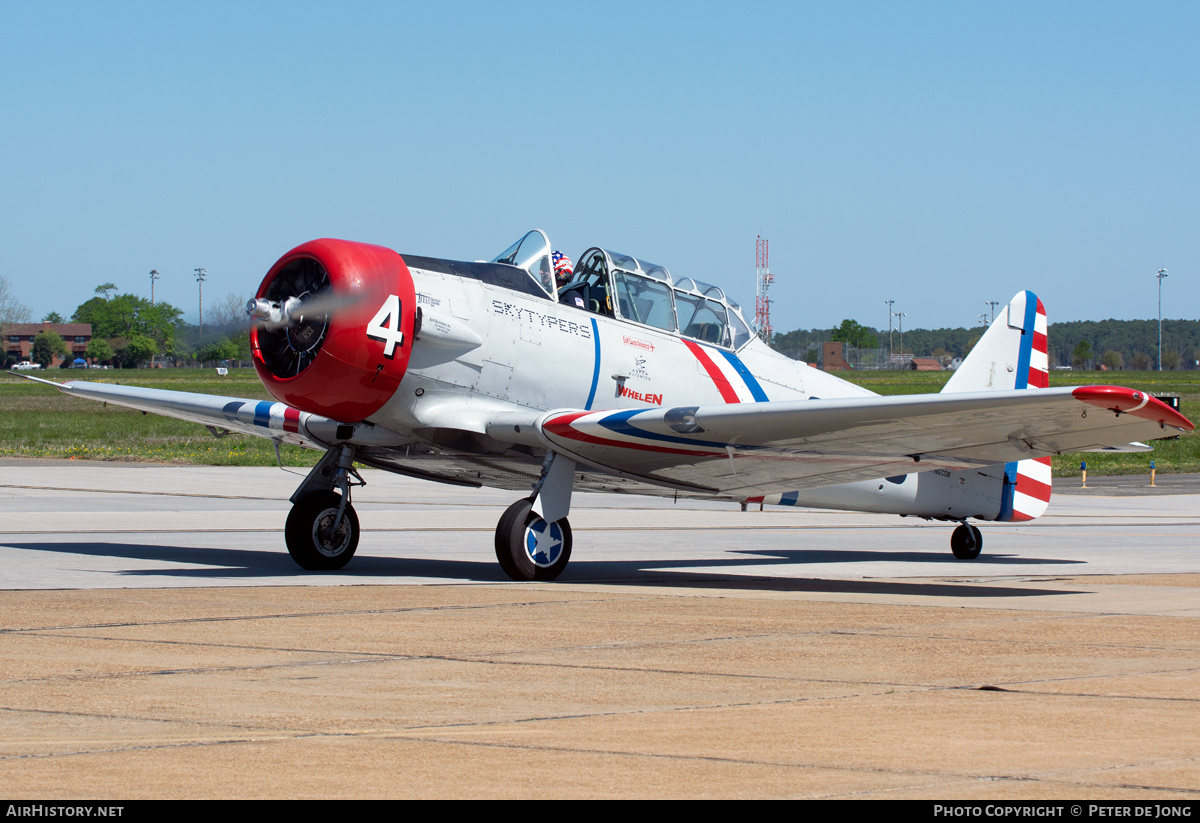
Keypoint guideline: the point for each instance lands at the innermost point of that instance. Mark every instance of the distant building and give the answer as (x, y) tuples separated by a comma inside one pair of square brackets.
[(833, 357), (925, 364), (19, 338)]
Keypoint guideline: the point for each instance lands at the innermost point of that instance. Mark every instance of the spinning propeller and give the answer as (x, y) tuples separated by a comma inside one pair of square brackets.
[(319, 306)]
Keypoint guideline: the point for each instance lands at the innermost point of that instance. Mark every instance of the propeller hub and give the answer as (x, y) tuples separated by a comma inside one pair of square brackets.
[(310, 343)]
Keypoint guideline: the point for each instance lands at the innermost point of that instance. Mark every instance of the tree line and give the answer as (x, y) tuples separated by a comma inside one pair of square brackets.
[(129, 331), (1086, 344)]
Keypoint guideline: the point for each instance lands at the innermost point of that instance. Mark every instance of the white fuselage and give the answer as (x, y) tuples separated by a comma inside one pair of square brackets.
[(484, 349), (536, 353)]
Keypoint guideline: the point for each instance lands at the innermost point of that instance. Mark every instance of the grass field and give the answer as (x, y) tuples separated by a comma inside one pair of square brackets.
[(37, 421)]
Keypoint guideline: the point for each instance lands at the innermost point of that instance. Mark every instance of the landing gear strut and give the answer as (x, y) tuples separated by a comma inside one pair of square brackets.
[(966, 542), (322, 528), (533, 538)]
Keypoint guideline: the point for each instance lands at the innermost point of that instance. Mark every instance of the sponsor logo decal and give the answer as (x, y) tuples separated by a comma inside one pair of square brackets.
[(652, 399), (636, 343), (436, 323)]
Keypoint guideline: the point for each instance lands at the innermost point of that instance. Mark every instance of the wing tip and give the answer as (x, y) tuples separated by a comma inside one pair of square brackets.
[(1131, 401)]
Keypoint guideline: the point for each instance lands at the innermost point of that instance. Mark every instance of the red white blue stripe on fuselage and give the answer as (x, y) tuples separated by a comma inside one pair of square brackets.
[(729, 376), (728, 373)]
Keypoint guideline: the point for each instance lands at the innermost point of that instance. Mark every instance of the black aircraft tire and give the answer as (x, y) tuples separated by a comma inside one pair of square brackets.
[(512, 535), (961, 542), (310, 514)]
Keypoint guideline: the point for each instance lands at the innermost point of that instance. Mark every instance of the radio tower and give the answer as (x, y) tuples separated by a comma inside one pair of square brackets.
[(762, 305)]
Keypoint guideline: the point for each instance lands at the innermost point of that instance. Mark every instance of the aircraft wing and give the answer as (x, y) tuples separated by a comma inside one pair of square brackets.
[(759, 448), (259, 418), (745, 449)]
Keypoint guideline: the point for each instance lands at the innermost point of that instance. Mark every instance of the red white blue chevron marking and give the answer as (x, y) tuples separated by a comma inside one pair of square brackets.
[(624, 434)]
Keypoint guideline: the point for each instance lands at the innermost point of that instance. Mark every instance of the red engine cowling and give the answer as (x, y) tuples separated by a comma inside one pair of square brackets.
[(345, 362)]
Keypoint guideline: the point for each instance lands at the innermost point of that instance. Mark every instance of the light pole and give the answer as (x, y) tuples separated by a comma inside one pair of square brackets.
[(153, 277), (889, 305), (200, 275), (1161, 274), (993, 304), (901, 315)]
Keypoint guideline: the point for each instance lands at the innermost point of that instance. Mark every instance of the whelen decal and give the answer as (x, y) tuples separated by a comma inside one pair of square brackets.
[(652, 399)]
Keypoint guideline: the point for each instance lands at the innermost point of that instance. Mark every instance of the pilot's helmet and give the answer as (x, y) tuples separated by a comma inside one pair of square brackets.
[(563, 269)]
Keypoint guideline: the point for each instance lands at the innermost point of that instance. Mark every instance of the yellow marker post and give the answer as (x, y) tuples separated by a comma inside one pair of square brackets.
[(1083, 468), (1151, 472)]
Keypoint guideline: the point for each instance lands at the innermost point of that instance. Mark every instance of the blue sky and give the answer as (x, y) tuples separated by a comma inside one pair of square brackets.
[(938, 154)]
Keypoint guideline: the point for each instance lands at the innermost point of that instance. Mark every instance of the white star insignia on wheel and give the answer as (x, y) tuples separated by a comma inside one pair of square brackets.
[(546, 546)]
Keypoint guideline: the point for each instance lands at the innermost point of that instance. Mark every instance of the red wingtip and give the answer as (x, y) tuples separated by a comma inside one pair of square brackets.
[(1131, 401)]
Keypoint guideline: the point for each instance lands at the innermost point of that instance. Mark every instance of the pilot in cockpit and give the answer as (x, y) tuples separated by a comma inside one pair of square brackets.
[(563, 270)]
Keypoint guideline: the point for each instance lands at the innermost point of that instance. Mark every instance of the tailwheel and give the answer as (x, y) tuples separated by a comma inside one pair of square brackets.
[(966, 542), (528, 547), (312, 540)]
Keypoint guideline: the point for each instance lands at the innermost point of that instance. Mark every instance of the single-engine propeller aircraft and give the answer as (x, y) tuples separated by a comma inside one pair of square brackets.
[(624, 378)]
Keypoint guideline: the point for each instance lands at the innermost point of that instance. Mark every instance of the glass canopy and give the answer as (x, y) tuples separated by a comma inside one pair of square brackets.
[(620, 286)]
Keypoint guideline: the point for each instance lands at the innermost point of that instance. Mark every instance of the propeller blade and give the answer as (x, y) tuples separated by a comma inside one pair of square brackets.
[(323, 304)]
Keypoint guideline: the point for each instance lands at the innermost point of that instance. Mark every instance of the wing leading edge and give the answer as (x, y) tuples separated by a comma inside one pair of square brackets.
[(741, 449), (258, 418), (748, 450)]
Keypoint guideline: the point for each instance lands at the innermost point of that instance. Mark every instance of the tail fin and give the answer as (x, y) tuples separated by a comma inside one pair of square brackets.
[(1012, 354)]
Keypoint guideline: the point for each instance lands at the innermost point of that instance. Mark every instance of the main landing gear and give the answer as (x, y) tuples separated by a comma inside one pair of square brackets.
[(528, 547), (533, 538), (966, 542), (322, 528), (321, 533)]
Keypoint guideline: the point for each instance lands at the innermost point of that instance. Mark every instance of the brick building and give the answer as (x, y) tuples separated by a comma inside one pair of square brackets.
[(833, 357), (18, 338)]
